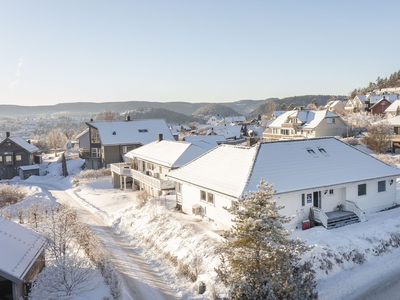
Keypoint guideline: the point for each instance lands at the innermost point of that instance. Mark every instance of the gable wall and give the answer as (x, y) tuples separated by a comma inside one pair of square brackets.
[(333, 129)]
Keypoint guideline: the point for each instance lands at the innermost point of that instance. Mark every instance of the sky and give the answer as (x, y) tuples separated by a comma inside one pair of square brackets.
[(196, 51)]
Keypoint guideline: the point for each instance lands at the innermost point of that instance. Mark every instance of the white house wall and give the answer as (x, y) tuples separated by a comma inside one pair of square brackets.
[(331, 129), (373, 201), (216, 212)]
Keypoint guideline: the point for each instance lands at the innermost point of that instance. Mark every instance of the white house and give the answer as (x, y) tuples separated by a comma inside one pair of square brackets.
[(305, 124), (336, 106), (22, 258), (317, 174), (145, 167), (393, 109), (357, 104), (214, 120)]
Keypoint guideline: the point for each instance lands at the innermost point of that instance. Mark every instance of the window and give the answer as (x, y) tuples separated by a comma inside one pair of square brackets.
[(160, 170), (285, 131), (124, 149), (331, 192), (210, 198), (322, 150), (203, 196), (1, 158), (143, 166), (94, 136), (311, 151), (303, 200), (18, 157), (381, 186), (9, 160), (362, 189), (96, 152), (234, 204)]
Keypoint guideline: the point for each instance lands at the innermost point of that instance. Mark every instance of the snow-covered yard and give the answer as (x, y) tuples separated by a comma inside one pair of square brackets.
[(348, 260)]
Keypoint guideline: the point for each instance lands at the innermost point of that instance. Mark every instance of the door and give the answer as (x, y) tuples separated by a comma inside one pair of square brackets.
[(317, 199)]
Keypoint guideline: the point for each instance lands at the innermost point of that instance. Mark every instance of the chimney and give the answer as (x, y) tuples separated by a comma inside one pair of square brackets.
[(8, 134), (91, 120), (160, 137), (29, 141), (250, 141), (127, 118)]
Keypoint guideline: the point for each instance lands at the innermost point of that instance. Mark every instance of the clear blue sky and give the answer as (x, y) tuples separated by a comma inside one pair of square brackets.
[(204, 50)]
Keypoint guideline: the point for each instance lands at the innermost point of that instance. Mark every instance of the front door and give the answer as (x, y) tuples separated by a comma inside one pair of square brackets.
[(317, 199)]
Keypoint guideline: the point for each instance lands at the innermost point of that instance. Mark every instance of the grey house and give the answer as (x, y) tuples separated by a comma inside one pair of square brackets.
[(109, 141), (16, 152)]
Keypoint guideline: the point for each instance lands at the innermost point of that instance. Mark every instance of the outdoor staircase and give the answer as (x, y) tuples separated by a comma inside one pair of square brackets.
[(343, 219)]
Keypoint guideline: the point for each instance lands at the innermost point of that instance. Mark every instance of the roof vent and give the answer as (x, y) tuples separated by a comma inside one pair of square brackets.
[(114, 133), (8, 134), (128, 118)]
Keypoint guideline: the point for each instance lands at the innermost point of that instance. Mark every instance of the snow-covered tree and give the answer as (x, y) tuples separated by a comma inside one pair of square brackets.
[(379, 136), (69, 271), (258, 259), (55, 140)]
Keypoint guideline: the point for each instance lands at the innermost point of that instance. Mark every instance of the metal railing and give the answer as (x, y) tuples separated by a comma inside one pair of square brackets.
[(320, 216), (352, 206), (126, 170)]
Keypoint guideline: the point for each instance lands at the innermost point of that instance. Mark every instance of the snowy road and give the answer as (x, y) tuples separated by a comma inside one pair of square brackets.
[(140, 280)]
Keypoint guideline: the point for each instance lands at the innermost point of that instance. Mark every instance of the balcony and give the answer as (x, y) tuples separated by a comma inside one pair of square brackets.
[(149, 179)]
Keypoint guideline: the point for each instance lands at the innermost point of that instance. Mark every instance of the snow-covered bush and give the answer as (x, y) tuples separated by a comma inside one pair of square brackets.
[(11, 194), (90, 175), (351, 141), (388, 158)]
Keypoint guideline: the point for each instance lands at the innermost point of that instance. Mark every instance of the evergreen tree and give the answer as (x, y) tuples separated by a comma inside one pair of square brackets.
[(258, 259), (64, 165), (291, 106), (283, 106)]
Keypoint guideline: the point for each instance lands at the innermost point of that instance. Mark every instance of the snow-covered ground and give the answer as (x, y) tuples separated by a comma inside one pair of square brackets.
[(349, 260)]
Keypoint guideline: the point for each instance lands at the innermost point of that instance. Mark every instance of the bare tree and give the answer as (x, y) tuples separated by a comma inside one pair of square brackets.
[(56, 140), (107, 115), (379, 136), (270, 108)]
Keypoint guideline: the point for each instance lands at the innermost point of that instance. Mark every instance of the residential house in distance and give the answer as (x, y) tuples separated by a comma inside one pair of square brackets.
[(232, 120), (336, 106), (15, 152), (395, 124), (83, 141), (393, 110), (110, 140), (146, 167), (22, 252), (319, 174), (305, 124), (380, 106), (357, 104), (213, 140), (214, 120)]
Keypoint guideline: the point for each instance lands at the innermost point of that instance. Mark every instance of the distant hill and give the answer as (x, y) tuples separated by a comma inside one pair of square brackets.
[(88, 109), (296, 100), (169, 116), (214, 109)]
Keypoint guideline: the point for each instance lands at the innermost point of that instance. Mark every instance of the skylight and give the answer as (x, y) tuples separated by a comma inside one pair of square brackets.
[(143, 130)]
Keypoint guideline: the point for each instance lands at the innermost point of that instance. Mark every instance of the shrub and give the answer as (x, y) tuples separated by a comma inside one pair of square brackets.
[(11, 194), (90, 175)]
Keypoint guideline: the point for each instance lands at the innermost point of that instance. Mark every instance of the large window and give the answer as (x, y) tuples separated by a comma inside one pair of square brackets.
[(18, 157), (94, 135), (96, 152), (1, 158), (381, 186), (207, 197), (362, 189)]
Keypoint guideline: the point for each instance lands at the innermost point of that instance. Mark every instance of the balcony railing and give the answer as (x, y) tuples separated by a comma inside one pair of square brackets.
[(148, 179)]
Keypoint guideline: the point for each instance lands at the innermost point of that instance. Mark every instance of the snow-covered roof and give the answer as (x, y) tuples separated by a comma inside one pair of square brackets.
[(292, 166), (381, 102), (234, 119), (362, 98), (393, 107), (30, 167), (309, 118), (82, 134), (390, 97), (131, 132), (168, 153), (20, 248), (23, 144), (211, 139), (395, 121)]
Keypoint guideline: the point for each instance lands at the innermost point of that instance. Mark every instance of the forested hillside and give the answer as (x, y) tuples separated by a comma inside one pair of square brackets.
[(392, 81)]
